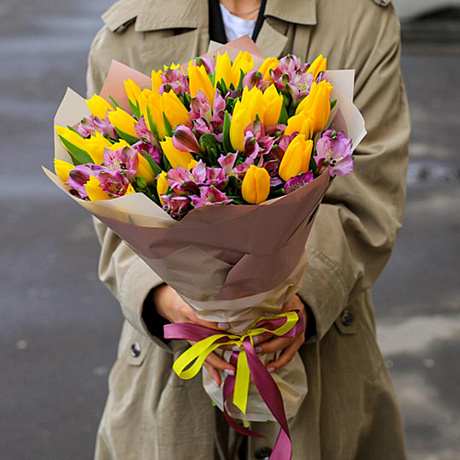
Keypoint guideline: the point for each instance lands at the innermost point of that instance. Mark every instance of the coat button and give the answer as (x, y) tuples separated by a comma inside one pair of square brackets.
[(263, 453), (346, 318), (136, 349)]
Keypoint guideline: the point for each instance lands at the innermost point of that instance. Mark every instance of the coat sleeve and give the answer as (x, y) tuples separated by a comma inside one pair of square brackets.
[(361, 214), (124, 273)]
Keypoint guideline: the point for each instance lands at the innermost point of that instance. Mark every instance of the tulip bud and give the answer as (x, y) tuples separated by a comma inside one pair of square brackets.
[(302, 123), (175, 156), (243, 62), (132, 91), (162, 186), (256, 185), (223, 70), (94, 190), (317, 66), (240, 120), (273, 102), (269, 64), (321, 108), (296, 159), (63, 169), (156, 81), (98, 106), (144, 170), (199, 80), (123, 121)]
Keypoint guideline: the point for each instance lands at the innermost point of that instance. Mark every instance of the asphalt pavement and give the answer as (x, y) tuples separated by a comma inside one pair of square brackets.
[(59, 326)]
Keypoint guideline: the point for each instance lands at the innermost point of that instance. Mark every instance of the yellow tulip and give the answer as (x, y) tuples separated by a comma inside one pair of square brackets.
[(63, 169), (243, 62), (321, 108), (270, 63), (256, 185), (253, 100), (317, 66), (95, 146), (302, 123), (175, 111), (223, 69), (132, 91), (307, 102), (121, 144), (162, 186), (296, 159), (175, 156), (144, 170), (122, 121), (130, 190), (199, 80), (98, 106), (156, 81), (154, 103), (273, 102), (72, 137), (94, 190), (240, 120)]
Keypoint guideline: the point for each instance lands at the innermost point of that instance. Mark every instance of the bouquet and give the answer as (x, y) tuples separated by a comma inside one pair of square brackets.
[(212, 172)]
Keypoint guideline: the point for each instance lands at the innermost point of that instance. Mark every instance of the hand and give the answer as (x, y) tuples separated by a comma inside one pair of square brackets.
[(172, 307), (289, 346)]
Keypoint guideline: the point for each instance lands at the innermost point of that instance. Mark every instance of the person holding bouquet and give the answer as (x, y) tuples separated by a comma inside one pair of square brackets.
[(350, 409)]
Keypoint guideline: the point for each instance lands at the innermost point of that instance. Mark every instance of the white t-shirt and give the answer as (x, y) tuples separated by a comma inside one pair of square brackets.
[(234, 26)]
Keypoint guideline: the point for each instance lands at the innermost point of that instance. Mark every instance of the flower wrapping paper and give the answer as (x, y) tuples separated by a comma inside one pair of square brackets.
[(230, 263)]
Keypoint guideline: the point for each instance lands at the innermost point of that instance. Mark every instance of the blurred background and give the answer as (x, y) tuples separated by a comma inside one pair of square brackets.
[(56, 352)]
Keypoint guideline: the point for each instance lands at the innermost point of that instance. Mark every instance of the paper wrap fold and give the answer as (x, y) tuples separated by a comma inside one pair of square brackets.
[(230, 263)]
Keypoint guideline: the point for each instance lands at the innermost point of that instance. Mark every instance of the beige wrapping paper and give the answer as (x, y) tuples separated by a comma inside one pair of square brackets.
[(230, 263)]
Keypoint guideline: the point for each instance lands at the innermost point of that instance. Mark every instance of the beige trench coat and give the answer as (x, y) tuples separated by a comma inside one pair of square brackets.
[(350, 411)]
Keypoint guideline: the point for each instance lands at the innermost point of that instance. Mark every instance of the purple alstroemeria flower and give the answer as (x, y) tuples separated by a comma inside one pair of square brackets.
[(86, 127), (208, 63), (185, 140), (296, 182), (228, 162), (175, 80), (80, 175), (209, 196), (216, 177), (148, 149), (334, 150), (105, 128), (200, 107), (113, 182), (143, 132), (124, 160), (176, 206), (181, 180), (255, 78)]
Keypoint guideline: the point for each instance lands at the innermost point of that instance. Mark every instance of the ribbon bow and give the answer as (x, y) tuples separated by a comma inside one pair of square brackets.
[(247, 365)]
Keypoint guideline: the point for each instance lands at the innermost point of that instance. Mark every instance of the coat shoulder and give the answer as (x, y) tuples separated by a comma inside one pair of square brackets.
[(121, 14)]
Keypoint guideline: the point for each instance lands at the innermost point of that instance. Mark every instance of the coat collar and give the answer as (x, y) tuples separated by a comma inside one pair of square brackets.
[(164, 14)]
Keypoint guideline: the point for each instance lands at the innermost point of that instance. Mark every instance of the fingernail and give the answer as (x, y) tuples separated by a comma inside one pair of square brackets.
[(258, 349), (223, 325), (229, 372), (256, 339), (271, 370), (236, 348), (215, 383)]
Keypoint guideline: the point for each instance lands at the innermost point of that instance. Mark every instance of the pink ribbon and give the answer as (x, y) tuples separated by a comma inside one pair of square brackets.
[(267, 387)]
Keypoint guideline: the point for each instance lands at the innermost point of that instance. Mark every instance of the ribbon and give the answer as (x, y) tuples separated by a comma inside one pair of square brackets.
[(247, 365)]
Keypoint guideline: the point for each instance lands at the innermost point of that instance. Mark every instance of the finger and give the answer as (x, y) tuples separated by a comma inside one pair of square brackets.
[(214, 373), (219, 363), (274, 345), (286, 355), (258, 339), (193, 317)]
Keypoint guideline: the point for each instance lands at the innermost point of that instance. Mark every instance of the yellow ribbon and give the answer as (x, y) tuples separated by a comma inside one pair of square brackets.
[(191, 361)]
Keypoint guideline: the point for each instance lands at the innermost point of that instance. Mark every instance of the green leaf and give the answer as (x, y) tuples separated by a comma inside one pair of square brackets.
[(226, 133), (127, 137), (240, 82), (284, 117), (152, 124), (155, 168), (114, 102), (135, 110), (79, 156), (333, 103), (168, 127)]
